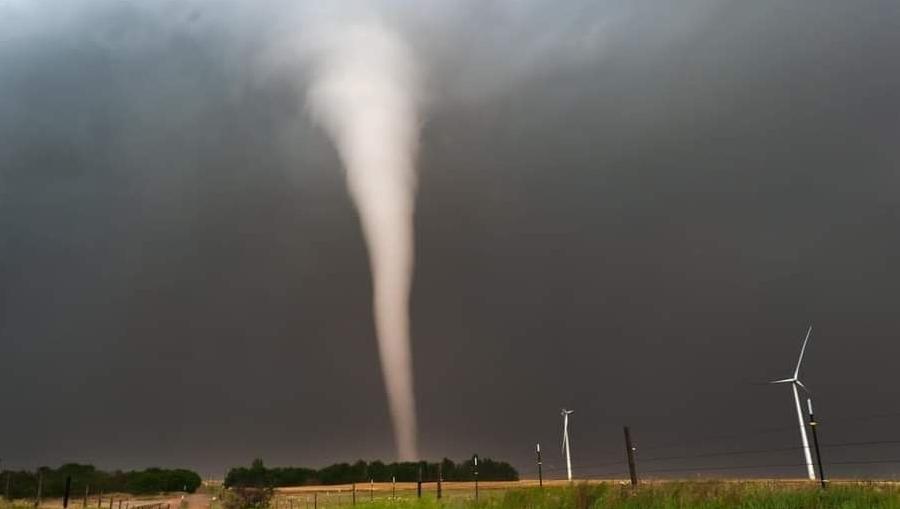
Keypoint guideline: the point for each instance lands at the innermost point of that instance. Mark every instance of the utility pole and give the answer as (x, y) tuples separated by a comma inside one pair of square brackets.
[(812, 426), (40, 486), (629, 453), (419, 482), (540, 466), (66, 493), (475, 471), (440, 478)]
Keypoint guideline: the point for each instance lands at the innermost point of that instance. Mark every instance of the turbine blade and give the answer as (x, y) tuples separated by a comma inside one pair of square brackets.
[(802, 351), (798, 382), (785, 381)]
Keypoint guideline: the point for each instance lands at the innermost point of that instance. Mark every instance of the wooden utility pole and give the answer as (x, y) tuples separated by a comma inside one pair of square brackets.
[(813, 426), (40, 486), (419, 483), (540, 466), (66, 493), (629, 453)]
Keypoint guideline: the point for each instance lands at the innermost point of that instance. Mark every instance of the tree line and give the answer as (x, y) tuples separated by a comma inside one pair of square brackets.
[(258, 475), (23, 484)]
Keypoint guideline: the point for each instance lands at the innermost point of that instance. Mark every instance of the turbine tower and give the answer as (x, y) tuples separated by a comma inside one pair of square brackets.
[(565, 413), (795, 382)]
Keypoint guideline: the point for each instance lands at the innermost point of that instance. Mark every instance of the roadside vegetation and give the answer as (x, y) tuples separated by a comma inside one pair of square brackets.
[(662, 495), (23, 484), (687, 495)]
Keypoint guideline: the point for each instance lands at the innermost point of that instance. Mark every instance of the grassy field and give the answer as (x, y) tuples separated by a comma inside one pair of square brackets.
[(560, 495), (610, 495)]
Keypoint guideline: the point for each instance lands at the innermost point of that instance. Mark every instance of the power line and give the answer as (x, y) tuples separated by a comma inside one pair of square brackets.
[(594, 466), (767, 431)]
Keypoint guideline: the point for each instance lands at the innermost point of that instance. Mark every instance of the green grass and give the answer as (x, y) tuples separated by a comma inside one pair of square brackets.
[(668, 495), (686, 495)]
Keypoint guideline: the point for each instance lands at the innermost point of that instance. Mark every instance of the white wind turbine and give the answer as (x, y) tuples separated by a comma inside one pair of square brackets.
[(795, 382), (565, 413)]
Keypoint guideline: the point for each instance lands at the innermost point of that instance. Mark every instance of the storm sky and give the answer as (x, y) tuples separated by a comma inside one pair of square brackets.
[(630, 209)]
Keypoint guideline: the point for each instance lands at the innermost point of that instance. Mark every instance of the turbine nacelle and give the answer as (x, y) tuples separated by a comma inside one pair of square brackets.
[(795, 381)]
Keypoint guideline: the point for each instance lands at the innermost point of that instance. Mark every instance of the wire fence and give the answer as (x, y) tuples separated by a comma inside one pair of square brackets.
[(721, 455), (714, 456)]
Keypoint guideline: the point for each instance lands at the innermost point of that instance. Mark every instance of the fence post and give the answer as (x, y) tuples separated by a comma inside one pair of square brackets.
[(87, 489), (354, 493), (316, 500), (111, 502), (99, 499), (540, 467), (394, 487), (371, 489), (8, 482), (440, 478), (629, 453)]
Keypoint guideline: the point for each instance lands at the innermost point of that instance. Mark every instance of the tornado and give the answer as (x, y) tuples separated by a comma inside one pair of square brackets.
[(365, 93)]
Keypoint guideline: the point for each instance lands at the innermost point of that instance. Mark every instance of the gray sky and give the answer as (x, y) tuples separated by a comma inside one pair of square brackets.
[(626, 208)]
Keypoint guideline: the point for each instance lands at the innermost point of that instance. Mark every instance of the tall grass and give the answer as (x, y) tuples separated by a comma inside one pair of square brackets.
[(686, 495)]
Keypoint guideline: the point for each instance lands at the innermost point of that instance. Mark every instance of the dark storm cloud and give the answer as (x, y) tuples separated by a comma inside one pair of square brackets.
[(626, 208)]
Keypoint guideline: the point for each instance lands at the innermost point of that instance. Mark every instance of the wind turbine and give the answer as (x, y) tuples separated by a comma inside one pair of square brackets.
[(565, 413), (795, 382)]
